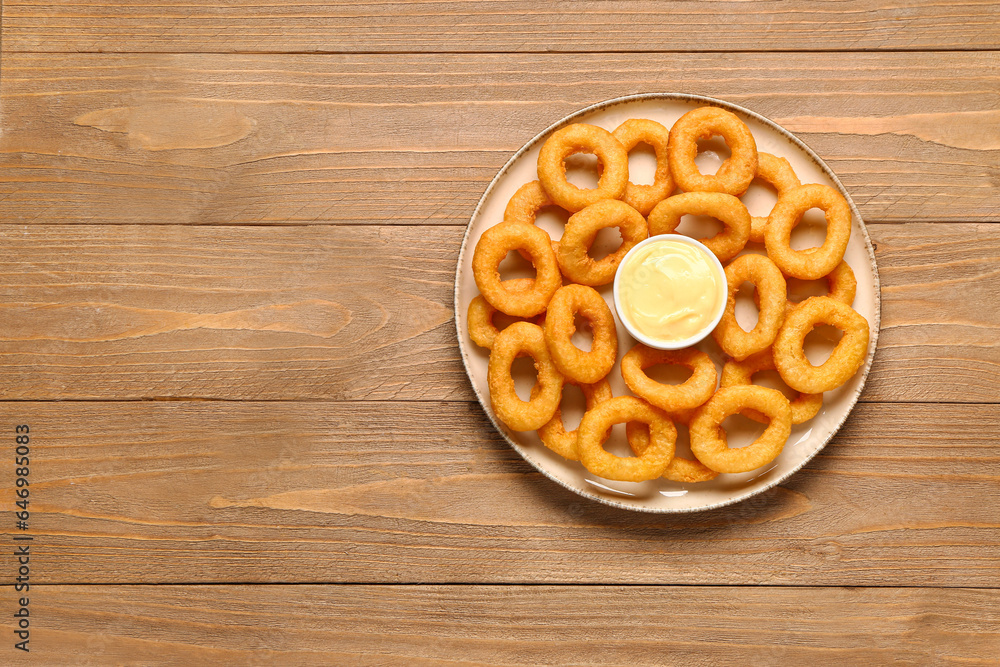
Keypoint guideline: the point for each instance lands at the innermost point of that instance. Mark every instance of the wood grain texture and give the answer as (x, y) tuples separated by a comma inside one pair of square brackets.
[(507, 26), (491, 625), (346, 313), (403, 492), (414, 139), (144, 254), (238, 313)]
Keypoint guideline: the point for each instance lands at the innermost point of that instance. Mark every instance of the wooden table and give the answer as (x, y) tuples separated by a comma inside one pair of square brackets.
[(228, 236)]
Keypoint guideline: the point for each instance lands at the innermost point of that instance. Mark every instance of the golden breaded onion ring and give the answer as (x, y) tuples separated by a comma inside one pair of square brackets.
[(708, 438), (554, 434), (582, 228), (493, 247), (841, 286), (482, 329), (640, 130), (735, 174), (846, 358), (668, 397), (520, 339), (572, 362), (593, 432), (778, 173), (680, 470), (738, 373), (811, 263), (582, 138), (525, 204), (728, 210), (772, 295)]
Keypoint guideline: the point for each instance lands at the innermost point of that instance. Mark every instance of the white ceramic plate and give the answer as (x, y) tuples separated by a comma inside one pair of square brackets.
[(662, 495)]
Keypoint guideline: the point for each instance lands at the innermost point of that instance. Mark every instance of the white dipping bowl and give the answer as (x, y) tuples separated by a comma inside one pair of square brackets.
[(714, 322)]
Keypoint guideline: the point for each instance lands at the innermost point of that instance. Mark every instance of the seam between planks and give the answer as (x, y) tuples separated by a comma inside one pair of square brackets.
[(470, 584), (511, 53)]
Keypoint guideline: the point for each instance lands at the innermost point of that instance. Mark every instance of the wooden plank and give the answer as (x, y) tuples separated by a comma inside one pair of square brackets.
[(490, 625), (227, 139), (346, 313), (189, 492), (228, 312), (507, 26), (932, 278)]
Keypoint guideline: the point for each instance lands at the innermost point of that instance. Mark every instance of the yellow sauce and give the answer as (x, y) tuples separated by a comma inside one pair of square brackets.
[(670, 291)]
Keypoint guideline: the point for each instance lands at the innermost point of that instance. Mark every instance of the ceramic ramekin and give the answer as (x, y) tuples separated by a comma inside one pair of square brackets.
[(704, 332)]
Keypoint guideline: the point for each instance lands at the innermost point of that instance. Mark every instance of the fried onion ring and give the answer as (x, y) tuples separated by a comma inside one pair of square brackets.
[(739, 373), (517, 340), (679, 470), (778, 173), (482, 330), (640, 130), (735, 174), (493, 247), (811, 263), (582, 138), (554, 434), (672, 398), (708, 438), (582, 228), (846, 358), (572, 362), (594, 429), (525, 204), (727, 209), (772, 296), (840, 283)]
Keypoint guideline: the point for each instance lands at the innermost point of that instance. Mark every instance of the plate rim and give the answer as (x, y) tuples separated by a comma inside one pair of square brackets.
[(686, 97)]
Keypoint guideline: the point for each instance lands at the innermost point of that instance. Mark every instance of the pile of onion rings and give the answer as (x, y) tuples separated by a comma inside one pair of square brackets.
[(566, 289)]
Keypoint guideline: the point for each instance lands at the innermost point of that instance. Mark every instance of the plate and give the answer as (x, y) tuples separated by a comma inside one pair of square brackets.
[(661, 495)]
